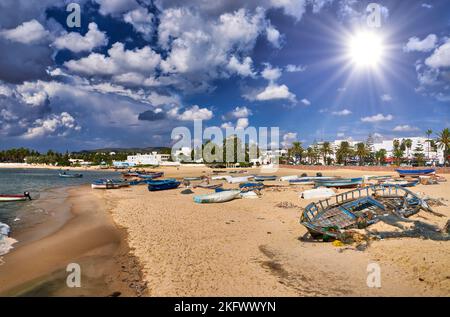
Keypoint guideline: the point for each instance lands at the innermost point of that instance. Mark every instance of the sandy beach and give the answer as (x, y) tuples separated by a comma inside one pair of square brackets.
[(253, 248)]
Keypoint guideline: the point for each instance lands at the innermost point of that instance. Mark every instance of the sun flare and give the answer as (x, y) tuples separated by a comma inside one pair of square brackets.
[(366, 49)]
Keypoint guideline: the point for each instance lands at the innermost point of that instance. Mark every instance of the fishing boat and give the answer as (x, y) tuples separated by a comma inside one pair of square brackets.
[(218, 197), (416, 172), (190, 179), (358, 209), (288, 178), (151, 175), (237, 180), (247, 187), (109, 184), (402, 183), (66, 175), (163, 184), (310, 180), (262, 178), (12, 198), (208, 186), (339, 183)]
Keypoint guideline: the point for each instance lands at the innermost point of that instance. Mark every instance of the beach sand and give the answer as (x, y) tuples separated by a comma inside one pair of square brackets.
[(250, 247), (77, 229)]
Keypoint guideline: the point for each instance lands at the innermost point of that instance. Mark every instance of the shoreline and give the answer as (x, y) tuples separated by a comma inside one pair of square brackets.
[(82, 233)]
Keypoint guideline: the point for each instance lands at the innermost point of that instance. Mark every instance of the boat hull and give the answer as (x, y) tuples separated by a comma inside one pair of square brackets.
[(12, 198), (218, 197), (404, 173), (342, 183), (163, 185)]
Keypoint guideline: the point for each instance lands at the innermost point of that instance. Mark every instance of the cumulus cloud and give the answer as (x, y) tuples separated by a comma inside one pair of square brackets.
[(115, 7), (295, 68), (405, 128), (288, 138), (342, 113), (193, 113), (242, 123), (238, 112), (425, 45), (440, 57), (77, 43), (243, 68), (273, 36), (26, 33), (271, 73), (142, 21), (294, 8), (59, 125), (274, 92), (306, 102), (377, 118)]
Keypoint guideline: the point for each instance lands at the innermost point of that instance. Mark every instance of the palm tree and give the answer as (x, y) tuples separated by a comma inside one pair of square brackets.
[(310, 154), (326, 150), (362, 152), (408, 145), (380, 156), (443, 142), (428, 133), (344, 152), (296, 150)]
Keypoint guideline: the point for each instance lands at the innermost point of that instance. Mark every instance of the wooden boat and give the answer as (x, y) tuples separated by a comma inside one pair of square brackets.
[(12, 198), (218, 197), (108, 184), (208, 186), (163, 184), (417, 172), (339, 183), (262, 178), (358, 209), (310, 180), (247, 187), (151, 175), (402, 183), (65, 175)]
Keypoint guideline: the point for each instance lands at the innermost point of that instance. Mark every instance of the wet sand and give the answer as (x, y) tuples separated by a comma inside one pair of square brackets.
[(253, 248), (78, 230)]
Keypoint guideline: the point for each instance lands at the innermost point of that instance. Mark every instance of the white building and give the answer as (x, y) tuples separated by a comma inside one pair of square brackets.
[(269, 157)]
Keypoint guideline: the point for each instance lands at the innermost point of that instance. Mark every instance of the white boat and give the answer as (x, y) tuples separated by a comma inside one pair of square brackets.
[(12, 198), (220, 177), (317, 193), (288, 178), (108, 184), (219, 197), (237, 180), (308, 180)]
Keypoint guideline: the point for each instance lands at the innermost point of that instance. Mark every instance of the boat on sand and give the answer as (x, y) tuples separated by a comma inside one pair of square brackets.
[(340, 183), (415, 172), (218, 197), (163, 184), (109, 184)]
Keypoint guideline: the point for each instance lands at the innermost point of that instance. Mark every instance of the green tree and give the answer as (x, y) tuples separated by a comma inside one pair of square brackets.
[(344, 152), (362, 152), (380, 156), (296, 151), (428, 133), (326, 149), (443, 142)]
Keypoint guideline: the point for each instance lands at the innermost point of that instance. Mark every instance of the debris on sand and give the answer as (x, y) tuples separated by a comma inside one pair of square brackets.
[(286, 205)]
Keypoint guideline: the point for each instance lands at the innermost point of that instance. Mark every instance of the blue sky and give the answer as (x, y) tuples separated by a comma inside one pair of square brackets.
[(136, 69)]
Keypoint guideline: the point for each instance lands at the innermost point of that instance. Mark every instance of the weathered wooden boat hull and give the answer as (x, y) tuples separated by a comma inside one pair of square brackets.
[(404, 173)]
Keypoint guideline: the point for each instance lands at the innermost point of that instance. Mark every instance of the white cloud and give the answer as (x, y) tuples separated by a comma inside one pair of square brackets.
[(378, 118), (294, 8), (440, 57), (270, 73), (295, 68), (288, 138), (26, 33), (114, 7), (405, 128), (274, 91), (427, 6), (142, 21), (425, 45), (341, 135), (243, 69), (195, 113), (77, 43), (60, 125), (306, 102), (238, 112), (242, 123), (120, 61), (386, 98), (227, 125), (344, 112), (273, 36)]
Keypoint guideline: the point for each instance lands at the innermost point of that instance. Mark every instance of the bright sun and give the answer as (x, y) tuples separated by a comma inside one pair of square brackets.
[(366, 49)]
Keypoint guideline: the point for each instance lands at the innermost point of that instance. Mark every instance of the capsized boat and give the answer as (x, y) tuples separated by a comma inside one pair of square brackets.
[(263, 178), (109, 184), (415, 172), (11, 198), (218, 197), (339, 183), (163, 184), (68, 175), (359, 208)]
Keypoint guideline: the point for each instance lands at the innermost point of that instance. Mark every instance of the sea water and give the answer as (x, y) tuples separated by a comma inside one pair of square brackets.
[(38, 182)]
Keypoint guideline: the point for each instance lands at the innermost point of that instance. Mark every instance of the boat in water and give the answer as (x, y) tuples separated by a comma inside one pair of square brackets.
[(12, 198), (218, 197), (67, 175), (358, 209), (163, 184), (339, 183), (109, 184), (415, 172)]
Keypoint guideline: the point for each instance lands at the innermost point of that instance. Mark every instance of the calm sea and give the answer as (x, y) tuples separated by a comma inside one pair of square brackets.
[(37, 182)]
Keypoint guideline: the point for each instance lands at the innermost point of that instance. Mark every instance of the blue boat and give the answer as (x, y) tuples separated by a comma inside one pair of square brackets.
[(163, 184), (246, 187), (66, 175), (421, 172), (151, 175), (340, 183), (265, 178)]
